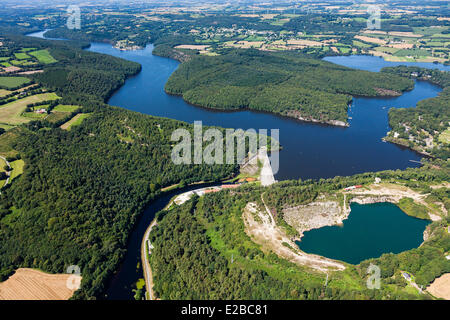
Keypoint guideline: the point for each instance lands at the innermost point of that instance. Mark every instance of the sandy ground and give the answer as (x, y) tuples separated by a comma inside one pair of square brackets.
[(307, 43), (440, 288), (30, 284), (401, 45), (371, 40), (192, 46), (261, 227)]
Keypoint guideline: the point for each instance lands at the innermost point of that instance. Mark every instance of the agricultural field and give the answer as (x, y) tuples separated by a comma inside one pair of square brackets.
[(11, 113), (25, 58), (30, 284), (75, 121), (13, 82), (43, 56), (65, 108), (17, 168)]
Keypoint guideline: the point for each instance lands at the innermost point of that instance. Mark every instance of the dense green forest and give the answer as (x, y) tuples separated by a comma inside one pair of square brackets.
[(284, 83), (201, 250), (421, 128), (83, 190)]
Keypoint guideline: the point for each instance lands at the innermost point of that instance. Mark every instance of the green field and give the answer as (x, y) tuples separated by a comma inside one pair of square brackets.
[(21, 56), (43, 56), (444, 137), (17, 167), (11, 113), (413, 209), (65, 108), (412, 53), (12, 82), (75, 121)]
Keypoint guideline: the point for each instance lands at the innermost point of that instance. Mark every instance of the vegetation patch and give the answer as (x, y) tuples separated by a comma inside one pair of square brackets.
[(13, 82), (43, 56)]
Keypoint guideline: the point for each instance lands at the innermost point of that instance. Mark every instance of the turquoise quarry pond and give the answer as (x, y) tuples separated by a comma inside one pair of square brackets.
[(369, 231)]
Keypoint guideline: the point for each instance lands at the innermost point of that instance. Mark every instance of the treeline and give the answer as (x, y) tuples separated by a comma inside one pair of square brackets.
[(283, 83)]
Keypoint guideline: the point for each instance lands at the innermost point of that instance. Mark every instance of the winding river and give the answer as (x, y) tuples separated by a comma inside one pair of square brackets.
[(309, 150)]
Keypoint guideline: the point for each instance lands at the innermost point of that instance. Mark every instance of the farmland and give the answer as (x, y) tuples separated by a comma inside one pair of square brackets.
[(13, 82), (30, 284), (43, 56), (75, 121), (11, 113)]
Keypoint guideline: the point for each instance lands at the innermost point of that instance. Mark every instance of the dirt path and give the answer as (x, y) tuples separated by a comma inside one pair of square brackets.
[(262, 229)]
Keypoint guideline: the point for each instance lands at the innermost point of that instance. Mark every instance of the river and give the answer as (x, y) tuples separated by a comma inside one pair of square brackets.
[(309, 150)]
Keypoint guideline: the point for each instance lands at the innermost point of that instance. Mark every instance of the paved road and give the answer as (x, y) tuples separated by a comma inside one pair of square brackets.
[(146, 264)]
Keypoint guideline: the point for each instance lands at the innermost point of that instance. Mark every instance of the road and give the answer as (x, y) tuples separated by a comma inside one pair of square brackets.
[(146, 264)]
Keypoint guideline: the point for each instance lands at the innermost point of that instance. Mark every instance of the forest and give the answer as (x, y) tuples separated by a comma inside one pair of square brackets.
[(201, 250), (83, 190), (283, 83), (428, 120)]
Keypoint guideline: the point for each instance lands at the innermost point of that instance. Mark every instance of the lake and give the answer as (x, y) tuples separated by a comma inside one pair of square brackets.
[(369, 231), (309, 151)]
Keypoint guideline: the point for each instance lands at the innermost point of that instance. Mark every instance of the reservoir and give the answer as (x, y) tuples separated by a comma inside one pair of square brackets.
[(309, 151), (369, 231)]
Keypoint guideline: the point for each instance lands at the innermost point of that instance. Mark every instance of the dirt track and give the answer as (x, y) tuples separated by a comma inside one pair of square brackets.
[(30, 284), (261, 227)]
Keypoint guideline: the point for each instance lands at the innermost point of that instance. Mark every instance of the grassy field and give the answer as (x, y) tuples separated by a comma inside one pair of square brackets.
[(57, 116), (444, 137), (75, 121), (17, 167), (11, 113), (65, 108), (43, 56), (4, 92), (413, 209), (6, 140), (12, 82), (21, 56)]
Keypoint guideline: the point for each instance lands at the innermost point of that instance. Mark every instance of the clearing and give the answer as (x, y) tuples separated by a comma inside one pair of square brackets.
[(75, 121), (11, 113), (440, 288), (43, 56), (30, 284)]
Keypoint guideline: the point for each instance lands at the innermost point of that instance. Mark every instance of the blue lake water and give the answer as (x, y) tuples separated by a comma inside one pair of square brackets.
[(309, 150), (369, 231)]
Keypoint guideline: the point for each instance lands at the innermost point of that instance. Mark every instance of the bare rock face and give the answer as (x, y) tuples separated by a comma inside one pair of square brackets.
[(315, 215)]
